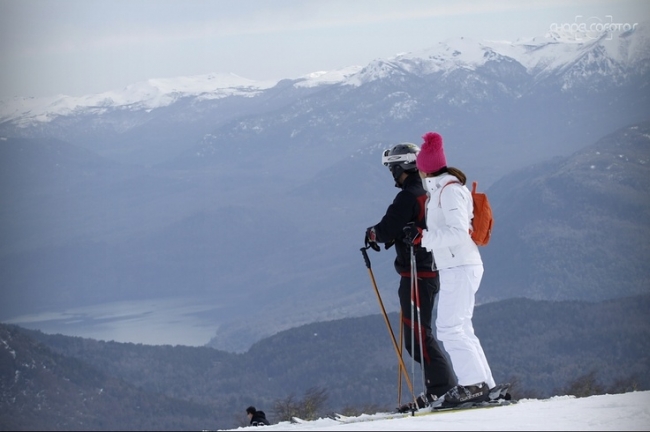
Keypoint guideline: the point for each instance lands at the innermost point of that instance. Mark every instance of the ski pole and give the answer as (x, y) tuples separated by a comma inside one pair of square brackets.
[(401, 350), (390, 329), (414, 281), (412, 324)]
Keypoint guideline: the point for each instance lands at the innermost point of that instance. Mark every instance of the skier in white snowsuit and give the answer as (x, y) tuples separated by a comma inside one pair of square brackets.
[(448, 221)]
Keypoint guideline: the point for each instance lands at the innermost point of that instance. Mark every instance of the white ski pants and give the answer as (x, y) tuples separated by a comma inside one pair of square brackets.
[(458, 286)]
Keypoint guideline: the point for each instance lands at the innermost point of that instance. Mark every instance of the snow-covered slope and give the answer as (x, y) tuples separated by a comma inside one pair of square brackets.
[(542, 56), (146, 95), (619, 412), (152, 94)]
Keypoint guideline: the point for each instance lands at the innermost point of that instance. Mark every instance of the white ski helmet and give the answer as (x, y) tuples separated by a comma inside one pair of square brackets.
[(401, 158)]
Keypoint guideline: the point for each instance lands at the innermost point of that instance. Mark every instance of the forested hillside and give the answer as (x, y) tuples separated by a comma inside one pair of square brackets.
[(64, 383), (576, 227)]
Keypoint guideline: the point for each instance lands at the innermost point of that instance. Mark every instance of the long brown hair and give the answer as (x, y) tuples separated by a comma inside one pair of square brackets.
[(458, 174)]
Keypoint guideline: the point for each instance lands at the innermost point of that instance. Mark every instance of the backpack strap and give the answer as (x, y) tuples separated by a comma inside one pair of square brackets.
[(443, 188), (456, 181)]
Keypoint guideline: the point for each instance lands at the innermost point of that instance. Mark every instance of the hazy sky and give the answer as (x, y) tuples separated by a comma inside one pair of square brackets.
[(78, 47)]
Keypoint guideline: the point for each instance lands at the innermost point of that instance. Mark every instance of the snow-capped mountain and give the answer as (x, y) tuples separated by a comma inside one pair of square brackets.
[(218, 187), (579, 58), (147, 95), (151, 94), (553, 54)]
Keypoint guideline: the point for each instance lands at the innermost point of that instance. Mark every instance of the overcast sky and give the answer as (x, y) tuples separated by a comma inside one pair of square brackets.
[(79, 47)]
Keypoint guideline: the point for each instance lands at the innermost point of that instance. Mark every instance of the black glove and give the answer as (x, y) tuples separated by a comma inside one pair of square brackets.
[(412, 234), (371, 239)]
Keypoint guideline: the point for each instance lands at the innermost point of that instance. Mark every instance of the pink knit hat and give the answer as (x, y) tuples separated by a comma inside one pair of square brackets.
[(432, 156)]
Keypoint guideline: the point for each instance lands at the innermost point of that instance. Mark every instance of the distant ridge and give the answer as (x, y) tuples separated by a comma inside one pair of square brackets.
[(540, 56)]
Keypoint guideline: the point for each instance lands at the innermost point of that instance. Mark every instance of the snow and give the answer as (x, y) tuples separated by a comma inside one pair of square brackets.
[(539, 55), (147, 95), (454, 53), (153, 93), (327, 77), (536, 55), (620, 412)]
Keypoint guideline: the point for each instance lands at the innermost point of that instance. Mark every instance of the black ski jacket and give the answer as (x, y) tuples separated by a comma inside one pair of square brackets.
[(259, 419), (408, 206)]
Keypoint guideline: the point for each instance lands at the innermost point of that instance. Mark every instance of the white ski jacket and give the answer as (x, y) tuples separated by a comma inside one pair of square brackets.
[(448, 223)]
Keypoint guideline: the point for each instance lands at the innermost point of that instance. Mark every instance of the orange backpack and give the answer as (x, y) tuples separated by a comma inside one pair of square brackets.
[(482, 220)]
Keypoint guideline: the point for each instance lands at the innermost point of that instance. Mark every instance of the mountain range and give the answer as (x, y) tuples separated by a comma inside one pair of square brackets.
[(253, 197)]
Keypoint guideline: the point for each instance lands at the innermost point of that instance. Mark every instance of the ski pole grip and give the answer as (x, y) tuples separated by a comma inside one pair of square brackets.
[(365, 256)]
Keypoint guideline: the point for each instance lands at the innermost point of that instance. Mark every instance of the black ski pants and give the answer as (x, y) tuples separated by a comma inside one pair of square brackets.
[(438, 374)]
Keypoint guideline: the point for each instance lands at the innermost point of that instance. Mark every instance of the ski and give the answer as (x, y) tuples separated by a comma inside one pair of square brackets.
[(498, 392), (423, 411)]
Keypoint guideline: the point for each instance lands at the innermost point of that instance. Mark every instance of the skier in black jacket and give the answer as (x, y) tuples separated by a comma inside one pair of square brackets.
[(409, 206), (258, 418)]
